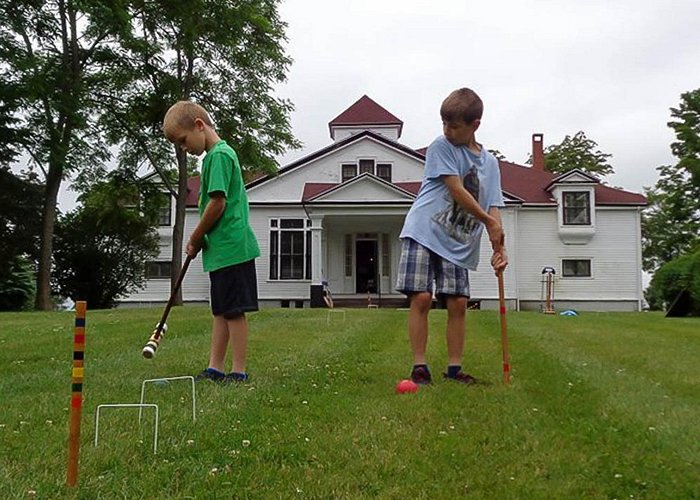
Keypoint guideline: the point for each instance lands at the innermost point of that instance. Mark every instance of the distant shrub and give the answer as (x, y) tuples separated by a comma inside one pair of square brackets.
[(672, 278)]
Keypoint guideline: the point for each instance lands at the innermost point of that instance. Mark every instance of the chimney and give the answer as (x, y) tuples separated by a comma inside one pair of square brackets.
[(537, 152)]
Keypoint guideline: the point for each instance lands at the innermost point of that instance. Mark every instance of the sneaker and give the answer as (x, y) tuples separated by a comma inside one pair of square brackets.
[(236, 378), (464, 378), (421, 375), (211, 374)]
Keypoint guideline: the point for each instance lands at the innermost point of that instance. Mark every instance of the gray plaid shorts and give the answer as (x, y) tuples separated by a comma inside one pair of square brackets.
[(419, 268)]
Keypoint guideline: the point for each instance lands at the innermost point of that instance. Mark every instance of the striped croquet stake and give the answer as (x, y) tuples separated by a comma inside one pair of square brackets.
[(504, 328), (76, 399)]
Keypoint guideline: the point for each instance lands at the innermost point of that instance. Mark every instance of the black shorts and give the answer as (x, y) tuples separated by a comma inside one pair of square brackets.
[(234, 290)]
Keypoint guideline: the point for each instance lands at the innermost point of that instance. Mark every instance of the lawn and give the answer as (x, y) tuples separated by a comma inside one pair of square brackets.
[(603, 405)]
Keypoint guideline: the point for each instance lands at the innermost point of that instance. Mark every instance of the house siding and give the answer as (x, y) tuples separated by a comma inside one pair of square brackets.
[(615, 265), (289, 186)]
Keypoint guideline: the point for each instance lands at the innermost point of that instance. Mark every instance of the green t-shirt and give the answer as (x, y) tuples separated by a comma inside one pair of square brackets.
[(231, 240)]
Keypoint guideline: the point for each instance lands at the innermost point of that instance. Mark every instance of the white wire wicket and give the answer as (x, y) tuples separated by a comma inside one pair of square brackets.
[(168, 379), (334, 312), (140, 406)]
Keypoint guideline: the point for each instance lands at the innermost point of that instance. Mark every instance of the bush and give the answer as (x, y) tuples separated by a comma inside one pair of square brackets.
[(672, 278), (17, 285)]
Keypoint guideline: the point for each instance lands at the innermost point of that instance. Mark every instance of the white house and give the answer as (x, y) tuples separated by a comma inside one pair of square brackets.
[(335, 216)]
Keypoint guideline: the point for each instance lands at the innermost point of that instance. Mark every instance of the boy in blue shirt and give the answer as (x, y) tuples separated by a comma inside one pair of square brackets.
[(459, 196), (224, 235)]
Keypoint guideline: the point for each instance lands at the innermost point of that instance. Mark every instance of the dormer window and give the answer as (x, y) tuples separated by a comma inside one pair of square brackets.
[(165, 211), (384, 171), (348, 170), (577, 208), (366, 167)]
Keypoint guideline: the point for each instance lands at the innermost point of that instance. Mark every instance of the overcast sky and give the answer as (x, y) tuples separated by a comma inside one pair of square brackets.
[(611, 68)]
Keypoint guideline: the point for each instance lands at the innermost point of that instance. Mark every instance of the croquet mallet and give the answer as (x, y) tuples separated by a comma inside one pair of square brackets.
[(149, 350), (504, 327)]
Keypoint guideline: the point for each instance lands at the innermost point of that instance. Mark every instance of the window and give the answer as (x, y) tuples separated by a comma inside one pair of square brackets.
[(577, 208), (576, 268), (349, 170), (366, 167), (165, 211), (384, 171), (290, 249), (158, 270)]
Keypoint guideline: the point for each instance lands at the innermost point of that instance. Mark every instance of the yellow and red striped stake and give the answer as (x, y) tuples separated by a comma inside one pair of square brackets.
[(504, 327), (76, 399)]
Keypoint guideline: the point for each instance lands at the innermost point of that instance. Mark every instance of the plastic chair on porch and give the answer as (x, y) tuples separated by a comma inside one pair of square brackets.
[(328, 299)]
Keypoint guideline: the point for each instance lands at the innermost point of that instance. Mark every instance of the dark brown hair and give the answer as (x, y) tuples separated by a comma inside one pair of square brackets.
[(462, 104)]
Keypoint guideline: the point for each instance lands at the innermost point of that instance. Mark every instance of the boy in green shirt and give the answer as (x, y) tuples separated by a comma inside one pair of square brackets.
[(224, 235)]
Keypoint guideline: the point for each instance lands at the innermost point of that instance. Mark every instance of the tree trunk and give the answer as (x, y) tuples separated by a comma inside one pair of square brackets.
[(48, 218), (179, 227)]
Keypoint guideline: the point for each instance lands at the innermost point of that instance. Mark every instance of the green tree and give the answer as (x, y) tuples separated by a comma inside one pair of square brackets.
[(687, 128), (54, 55), (17, 286), (20, 218), (673, 277), (102, 247), (183, 52), (576, 152), (499, 156), (671, 223)]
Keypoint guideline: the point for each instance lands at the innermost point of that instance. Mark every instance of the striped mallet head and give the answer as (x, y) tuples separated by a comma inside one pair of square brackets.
[(149, 350)]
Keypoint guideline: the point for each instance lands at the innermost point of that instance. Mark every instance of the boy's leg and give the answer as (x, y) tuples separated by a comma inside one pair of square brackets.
[(456, 309), (415, 279), (420, 304), (238, 340), (219, 343), (453, 283)]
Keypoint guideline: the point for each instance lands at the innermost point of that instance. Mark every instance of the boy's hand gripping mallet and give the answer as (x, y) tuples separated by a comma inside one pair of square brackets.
[(149, 350)]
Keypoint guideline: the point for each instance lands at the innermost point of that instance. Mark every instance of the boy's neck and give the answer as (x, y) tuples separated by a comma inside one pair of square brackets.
[(473, 146), (210, 138)]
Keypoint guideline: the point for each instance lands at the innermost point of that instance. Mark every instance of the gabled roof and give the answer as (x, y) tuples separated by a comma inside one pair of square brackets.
[(531, 186), (338, 145), (574, 176), (520, 184), (316, 191), (365, 112)]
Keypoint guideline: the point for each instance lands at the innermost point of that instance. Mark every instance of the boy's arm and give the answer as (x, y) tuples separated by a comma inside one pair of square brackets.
[(211, 214), (499, 259), (467, 201)]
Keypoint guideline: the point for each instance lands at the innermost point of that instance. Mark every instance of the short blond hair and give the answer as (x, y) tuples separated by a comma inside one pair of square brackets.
[(182, 114), (462, 104)]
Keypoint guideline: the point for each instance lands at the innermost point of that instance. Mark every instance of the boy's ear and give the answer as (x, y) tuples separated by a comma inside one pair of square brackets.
[(199, 124), (476, 123)]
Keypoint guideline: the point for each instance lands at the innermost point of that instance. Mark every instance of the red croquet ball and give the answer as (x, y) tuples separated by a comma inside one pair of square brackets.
[(405, 386)]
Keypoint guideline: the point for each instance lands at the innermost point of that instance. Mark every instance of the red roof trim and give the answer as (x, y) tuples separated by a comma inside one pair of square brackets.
[(313, 190), (365, 111)]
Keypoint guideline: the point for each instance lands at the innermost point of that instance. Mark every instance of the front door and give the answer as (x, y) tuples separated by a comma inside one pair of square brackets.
[(366, 270)]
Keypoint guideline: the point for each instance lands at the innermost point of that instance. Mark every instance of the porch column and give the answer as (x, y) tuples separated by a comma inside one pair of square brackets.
[(316, 261), (316, 249)]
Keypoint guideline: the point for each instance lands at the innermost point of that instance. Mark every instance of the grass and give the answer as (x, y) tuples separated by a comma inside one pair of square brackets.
[(600, 406)]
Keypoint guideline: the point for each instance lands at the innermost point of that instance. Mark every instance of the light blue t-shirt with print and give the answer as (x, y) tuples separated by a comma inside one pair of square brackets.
[(436, 220)]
